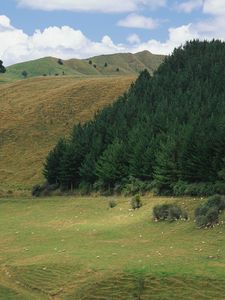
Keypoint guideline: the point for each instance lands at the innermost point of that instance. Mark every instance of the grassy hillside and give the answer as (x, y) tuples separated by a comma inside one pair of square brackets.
[(36, 112), (126, 62), (77, 248)]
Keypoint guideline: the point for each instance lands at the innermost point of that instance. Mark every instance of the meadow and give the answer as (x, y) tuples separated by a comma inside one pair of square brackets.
[(78, 248)]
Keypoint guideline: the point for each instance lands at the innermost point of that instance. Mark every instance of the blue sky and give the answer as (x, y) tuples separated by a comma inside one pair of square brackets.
[(30, 29)]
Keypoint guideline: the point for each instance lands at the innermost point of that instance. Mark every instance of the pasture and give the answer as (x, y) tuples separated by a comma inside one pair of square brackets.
[(78, 248)]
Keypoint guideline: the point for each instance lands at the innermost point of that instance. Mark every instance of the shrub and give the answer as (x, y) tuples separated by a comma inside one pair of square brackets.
[(44, 189), (85, 188), (24, 74), (207, 214), (60, 62), (134, 186), (136, 202), (217, 201), (209, 219), (112, 203), (169, 212), (174, 213), (201, 210), (212, 216), (201, 221), (182, 188)]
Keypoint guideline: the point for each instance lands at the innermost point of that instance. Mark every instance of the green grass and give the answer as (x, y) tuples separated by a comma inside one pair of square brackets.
[(77, 248)]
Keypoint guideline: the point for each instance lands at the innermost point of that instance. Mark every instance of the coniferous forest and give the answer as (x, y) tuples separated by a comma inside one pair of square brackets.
[(166, 134)]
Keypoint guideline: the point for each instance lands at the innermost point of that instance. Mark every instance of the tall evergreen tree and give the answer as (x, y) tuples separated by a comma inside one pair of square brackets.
[(52, 166), (2, 68)]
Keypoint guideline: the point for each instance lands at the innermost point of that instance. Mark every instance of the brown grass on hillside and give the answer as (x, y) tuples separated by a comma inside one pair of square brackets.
[(36, 112)]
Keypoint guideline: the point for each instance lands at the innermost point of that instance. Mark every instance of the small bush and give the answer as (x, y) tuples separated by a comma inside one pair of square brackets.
[(43, 190), (84, 188), (209, 219), (24, 74), (201, 221), (201, 210), (212, 215), (217, 201), (112, 203), (207, 214), (60, 62), (200, 189), (174, 213), (169, 212), (135, 186), (136, 202), (161, 212)]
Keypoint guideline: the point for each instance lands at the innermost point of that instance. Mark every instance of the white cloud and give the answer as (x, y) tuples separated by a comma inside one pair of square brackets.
[(177, 36), (189, 6), (106, 6), (138, 21), (66, 42), (133, 39), (214, 7), (5, 23)]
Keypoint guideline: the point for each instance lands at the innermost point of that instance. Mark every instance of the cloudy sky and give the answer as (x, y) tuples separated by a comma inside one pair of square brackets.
[(31, 29)]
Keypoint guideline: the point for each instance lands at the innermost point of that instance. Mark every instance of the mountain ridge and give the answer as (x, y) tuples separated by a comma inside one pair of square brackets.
[(103, 65)]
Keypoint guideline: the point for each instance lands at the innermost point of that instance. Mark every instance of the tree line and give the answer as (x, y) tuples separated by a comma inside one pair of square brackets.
[(167, 132)]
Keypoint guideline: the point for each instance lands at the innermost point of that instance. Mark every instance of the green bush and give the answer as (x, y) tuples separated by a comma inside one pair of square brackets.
[(161, 212), (207, 214), (201, 221), (182, 188), (201, 210), (85, 188), (169, 212), (217, 201), (112, 203), (135, 186), (209, 219), (136, 202), (43, 190)]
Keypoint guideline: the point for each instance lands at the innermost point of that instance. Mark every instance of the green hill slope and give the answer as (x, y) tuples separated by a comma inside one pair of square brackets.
[(117, 64)]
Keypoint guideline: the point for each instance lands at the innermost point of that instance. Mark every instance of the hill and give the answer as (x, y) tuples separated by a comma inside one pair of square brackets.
[(37, 111), (76, 248), (116, 64), (167, 132)]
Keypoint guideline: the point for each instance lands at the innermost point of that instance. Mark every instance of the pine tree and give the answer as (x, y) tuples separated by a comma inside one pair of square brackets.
[(53, 162), (111, 167), (2, 68)]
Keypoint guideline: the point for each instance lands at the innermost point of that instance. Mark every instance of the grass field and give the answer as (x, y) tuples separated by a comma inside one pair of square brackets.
[(77, 248), (36, 112)]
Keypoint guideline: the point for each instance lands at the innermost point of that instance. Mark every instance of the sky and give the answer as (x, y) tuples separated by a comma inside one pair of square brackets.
[(31, 29)]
